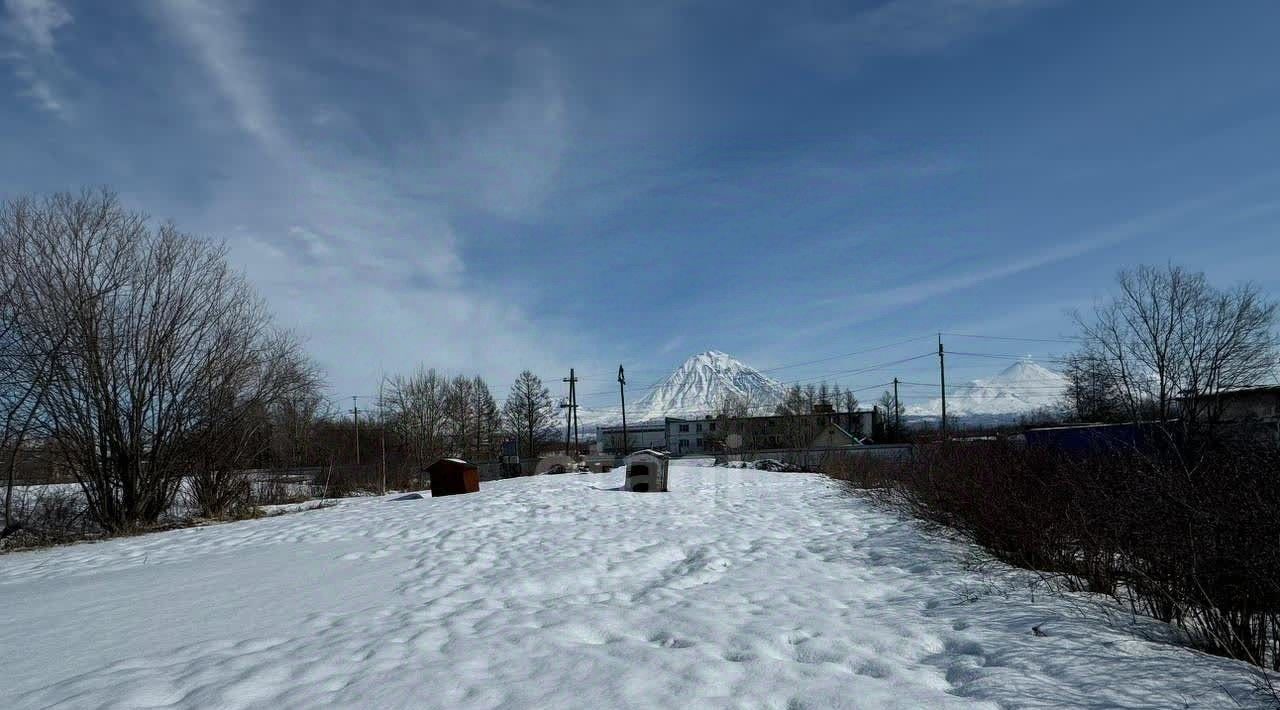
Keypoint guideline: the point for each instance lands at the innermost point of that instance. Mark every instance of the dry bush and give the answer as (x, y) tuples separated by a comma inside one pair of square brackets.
[(870, 473), (345, 480), (49, 516), (1187, 535)]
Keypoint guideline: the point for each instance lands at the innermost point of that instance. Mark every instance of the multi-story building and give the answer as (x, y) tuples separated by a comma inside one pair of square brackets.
[(795, 431), (645, 435), (681, 436)]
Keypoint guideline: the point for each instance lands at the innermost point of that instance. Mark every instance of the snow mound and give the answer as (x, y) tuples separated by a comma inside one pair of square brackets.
[(739, 588)]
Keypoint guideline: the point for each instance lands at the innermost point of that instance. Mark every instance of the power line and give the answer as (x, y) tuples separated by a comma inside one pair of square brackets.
[(885, 346), (770, 407), (1005, 356), (783, 367), (844, 355), (803, 380), (1068, 340)]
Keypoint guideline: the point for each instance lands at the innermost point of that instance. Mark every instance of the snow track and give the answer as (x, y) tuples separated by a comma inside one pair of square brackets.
[(740, 588)]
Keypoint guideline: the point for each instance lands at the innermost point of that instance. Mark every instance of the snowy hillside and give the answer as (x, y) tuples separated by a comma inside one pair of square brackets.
[(701, 384), (737, 589), (1022, 388)]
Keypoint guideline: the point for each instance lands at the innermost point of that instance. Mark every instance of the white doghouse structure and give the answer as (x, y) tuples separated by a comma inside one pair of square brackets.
[(646, 472)]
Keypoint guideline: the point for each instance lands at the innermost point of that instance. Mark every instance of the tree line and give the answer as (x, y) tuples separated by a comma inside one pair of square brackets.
[(135, 361), (1165, 343)]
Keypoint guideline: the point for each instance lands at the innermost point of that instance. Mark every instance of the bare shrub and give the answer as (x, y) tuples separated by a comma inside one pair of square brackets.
[(345, 480), (48, 515), (1187, 538)]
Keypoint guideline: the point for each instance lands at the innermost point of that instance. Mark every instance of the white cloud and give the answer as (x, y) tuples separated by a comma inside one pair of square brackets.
[(215, 34), (30, 27), (357, 250), (512, 158), (904, 28), (881, 301), (36, 21)]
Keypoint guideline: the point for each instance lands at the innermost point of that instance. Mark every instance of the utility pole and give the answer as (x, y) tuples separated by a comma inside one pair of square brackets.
[(382, 432), (355, 412), (897, 410), (622, 393), (942, 379), (568, 423), (573, 410)]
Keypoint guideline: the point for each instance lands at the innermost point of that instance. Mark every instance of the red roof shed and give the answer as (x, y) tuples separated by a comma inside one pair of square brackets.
[(453, 477)]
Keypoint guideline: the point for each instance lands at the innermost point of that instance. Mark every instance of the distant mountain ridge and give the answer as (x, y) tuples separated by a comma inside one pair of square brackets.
[(701, 384), (695, 389), (1022, 388)]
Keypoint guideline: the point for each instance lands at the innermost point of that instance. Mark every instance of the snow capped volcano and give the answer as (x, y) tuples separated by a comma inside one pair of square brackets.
[(1021, 388), (701, 384)]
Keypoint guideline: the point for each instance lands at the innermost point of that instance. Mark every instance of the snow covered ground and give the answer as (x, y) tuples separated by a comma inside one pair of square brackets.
[(739, 588)]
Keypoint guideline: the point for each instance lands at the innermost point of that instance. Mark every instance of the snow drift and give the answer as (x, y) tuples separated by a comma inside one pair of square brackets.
[(739, 588)]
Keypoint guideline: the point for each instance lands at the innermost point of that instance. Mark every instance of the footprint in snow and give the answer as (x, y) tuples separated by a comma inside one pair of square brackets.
[(666, 640)]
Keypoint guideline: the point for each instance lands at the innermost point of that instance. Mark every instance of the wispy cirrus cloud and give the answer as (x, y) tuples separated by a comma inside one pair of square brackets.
[(360, 248), (215, 32), (31, 26), (1055, 251), (843, 41)]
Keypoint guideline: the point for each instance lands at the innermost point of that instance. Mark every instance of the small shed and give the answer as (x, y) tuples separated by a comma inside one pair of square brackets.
[(646, 472), (453, 477)]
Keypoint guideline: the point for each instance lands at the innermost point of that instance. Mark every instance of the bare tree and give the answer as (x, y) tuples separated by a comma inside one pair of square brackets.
[(1169, 337), (293, 418), (823, 395), (529, 413), (21, 386), (418, 416), (234, 434), (459, 409), (892, 415), (1093, 394), (797, 426), (488, 420), (730, 419), (140, 327)]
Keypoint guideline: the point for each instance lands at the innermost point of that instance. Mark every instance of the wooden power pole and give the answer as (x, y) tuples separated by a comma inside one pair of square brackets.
[(897, 410), (942, 379), (568, 423), (622, 394), (572, 379), (382, 432), (355, 412)]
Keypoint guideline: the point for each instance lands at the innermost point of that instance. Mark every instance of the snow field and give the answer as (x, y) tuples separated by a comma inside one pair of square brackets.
[(740, 588)]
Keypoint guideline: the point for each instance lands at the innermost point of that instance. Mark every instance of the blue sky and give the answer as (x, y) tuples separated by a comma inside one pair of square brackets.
[(485, 187)]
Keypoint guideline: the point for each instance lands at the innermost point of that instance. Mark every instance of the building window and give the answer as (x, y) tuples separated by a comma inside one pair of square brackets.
[(698, 427), (713, 426), (698, 443), (684, 428), (684, 443)]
